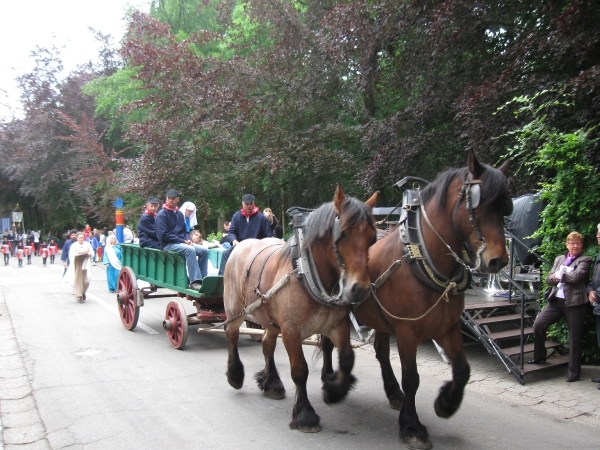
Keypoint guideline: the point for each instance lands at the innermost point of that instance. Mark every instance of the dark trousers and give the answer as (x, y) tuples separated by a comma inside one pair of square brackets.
[(574, 316), (598, 330), (224, 258)]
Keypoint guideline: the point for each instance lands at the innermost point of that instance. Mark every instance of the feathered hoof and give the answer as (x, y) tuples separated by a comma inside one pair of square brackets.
[(307, 421), (413, 443), (334, 391), (275, 394)]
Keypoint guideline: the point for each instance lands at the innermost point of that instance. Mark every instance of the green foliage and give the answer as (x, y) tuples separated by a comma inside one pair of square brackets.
[(214, 236), (570, 186)]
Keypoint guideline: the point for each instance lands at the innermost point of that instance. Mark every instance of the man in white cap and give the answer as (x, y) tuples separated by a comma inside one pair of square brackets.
[(247, 223), (171, 230)]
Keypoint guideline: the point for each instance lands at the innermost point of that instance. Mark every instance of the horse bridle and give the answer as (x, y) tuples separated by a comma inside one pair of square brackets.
[(471, 192), (336, 235)]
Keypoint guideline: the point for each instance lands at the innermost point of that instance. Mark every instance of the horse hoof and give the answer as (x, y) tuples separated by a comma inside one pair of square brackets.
[(236, 384), (439, 411), (413, 443), (395, 404), (306, 429), (275, 394)]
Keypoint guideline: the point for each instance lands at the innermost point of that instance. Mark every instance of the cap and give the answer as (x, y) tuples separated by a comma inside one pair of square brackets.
[(248, 198), (172, 193), (153, 200)]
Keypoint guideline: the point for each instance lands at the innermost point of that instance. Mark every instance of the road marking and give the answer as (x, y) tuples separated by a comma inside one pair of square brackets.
[(113, 309)]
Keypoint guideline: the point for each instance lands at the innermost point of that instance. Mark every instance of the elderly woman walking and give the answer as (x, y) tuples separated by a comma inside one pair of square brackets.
[(79, 273), (112, 259)]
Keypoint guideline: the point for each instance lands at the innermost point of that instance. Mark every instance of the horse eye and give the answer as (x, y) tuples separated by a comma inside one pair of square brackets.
[(343, 235)]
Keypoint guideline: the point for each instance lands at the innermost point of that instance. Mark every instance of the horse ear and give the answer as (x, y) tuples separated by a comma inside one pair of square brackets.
[(475, 167), (372, 201), (504, 167), (338, 199)]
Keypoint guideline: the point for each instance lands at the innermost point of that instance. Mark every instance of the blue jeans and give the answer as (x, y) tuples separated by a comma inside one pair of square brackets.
[(197, 268)]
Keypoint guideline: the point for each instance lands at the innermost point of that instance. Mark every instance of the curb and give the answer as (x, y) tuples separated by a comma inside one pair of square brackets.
[(20, 422)]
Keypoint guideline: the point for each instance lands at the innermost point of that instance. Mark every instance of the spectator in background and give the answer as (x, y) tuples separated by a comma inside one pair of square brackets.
[(65, 251), (112, 260), (273, 222), (127, 235), (93, 241)]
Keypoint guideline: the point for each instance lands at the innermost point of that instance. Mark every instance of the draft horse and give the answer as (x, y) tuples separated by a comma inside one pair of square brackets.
[(419, 273), (263, 280)]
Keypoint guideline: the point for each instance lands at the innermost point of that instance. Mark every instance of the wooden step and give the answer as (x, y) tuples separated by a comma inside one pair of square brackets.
[(527, 348), (487, 305), (561, 360), (498, 319), (510, 333)]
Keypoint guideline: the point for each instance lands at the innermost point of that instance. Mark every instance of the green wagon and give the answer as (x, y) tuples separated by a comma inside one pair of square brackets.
[(167, 270)]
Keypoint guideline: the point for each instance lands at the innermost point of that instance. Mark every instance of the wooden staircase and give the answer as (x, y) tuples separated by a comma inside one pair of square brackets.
[(505, 328)]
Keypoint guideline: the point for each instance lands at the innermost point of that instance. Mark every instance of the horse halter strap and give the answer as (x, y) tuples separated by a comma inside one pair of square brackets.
[(471, 192), (336, 235)]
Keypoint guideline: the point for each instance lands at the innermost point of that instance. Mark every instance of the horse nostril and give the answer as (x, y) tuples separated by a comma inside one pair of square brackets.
[(357, 290), (495, 264)]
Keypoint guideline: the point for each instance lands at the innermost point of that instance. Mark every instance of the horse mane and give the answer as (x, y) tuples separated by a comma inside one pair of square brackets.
[(320, 222), (494, 191)]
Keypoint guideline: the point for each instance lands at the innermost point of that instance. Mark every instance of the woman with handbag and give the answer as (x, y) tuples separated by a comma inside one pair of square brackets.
[(568, 299)]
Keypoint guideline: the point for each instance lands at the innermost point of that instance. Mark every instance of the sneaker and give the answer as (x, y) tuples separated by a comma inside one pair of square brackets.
[(196, 285)]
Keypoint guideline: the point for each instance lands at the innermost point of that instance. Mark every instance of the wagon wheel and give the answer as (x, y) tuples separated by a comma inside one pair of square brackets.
[(126, 298), (176, 324)]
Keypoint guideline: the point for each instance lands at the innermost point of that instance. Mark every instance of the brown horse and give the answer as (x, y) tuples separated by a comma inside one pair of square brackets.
[(462, 208), (259, 274)]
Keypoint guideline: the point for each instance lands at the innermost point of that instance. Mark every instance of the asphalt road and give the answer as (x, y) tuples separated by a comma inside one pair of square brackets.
[(91, 384)]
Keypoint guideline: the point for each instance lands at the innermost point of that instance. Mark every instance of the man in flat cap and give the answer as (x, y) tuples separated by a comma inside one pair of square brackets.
[(146, 226), (171, 230), (247, 223)]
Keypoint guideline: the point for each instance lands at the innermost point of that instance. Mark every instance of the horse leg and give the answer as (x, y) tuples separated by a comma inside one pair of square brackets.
[(337, 384), (326, 346), (304, 417), (235, 368), (391, 386), (412, 431), (451, 393), (268, 379)]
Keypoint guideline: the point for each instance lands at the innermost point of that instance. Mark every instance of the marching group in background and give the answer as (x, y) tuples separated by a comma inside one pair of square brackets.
[(23, 246)]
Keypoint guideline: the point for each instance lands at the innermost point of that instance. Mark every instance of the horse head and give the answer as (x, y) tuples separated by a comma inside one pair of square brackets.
[(479, 212), (353, 233)]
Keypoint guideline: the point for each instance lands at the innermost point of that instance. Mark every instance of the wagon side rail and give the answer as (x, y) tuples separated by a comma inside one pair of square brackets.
[(166, 270)]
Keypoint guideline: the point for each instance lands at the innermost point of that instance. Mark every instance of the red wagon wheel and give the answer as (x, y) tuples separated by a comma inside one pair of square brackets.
[(126, 298), (176, 324)]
